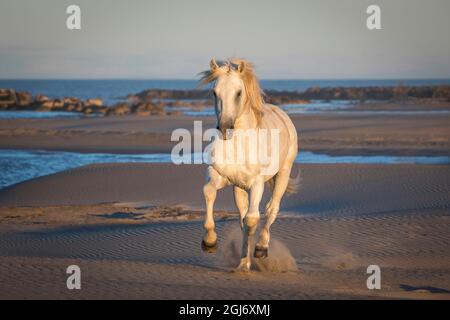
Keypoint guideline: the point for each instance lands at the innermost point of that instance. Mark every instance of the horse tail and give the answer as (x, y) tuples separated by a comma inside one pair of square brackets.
[(271, 183), (292, 187), (293, 184)]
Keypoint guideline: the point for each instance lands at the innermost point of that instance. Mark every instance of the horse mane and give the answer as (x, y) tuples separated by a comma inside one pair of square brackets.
[(244, 68)]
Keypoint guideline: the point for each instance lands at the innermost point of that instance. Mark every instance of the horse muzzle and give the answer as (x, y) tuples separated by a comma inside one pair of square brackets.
[(226, 131)]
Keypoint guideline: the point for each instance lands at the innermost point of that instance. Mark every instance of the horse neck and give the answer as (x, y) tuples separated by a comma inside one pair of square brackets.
[(247, 120)]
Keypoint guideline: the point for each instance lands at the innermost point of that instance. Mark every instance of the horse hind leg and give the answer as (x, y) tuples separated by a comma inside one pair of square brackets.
[(241, 200), (215, 183), (272, 209)]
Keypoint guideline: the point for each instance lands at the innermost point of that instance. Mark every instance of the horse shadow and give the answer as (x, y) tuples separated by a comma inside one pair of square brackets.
[(430, 289), (122, 215)]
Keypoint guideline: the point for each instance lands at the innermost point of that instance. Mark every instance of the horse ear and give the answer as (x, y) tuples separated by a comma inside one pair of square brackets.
[(213, 64), (241, 67)]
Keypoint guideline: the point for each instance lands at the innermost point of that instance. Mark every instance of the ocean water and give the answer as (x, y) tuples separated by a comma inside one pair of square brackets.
[(313, 106), (38, 114), (20, 165)]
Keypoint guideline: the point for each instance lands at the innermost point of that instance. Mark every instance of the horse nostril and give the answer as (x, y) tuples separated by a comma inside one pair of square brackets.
[(218, 128)]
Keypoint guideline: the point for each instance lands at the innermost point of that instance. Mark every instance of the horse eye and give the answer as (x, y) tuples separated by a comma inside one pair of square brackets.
[(238, 94)]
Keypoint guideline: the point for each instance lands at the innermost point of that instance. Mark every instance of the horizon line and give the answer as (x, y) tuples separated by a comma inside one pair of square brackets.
[(194, 79)]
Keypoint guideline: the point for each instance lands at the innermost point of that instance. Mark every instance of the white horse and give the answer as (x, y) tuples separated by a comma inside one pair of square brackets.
[(239, 104)]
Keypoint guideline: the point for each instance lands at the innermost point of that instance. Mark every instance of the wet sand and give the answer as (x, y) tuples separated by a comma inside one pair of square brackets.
[(136, 234), (333, 133)]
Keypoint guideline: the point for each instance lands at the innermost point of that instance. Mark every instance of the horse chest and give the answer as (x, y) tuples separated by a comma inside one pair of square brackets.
[(240, 175)]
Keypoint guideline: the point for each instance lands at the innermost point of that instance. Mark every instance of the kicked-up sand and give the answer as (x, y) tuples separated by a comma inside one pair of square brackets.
[(135, 232)]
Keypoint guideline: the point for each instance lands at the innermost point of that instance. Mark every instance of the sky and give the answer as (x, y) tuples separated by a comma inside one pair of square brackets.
[(168, 39)]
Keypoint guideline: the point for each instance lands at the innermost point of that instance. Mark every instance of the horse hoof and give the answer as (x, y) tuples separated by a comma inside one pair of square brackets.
[(243, 267), (261, 252), (243, 270), (209, 248)]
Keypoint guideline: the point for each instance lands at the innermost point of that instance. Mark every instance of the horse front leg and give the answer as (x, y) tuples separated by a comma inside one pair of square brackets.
[(215, 183), (250, 224)]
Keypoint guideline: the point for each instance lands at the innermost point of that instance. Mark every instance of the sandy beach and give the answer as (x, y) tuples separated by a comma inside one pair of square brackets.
[(136, 233)]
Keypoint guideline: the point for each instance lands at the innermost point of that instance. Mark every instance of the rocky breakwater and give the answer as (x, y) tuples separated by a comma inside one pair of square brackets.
[(12, 100), (202, 98), (166, 102)]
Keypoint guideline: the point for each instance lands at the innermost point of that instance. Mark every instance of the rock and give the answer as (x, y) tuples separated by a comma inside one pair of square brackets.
[(25, 99), (102, 110), (8, 99), (58, 104), (88, 110), (49, 105), (71, 101), (94, 109), (94, 102), (79, 107), (144, 109), (46, 105), (175, 112), (72, 104), (158, 109), (41, 98), (70, 107), (118, 109)]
